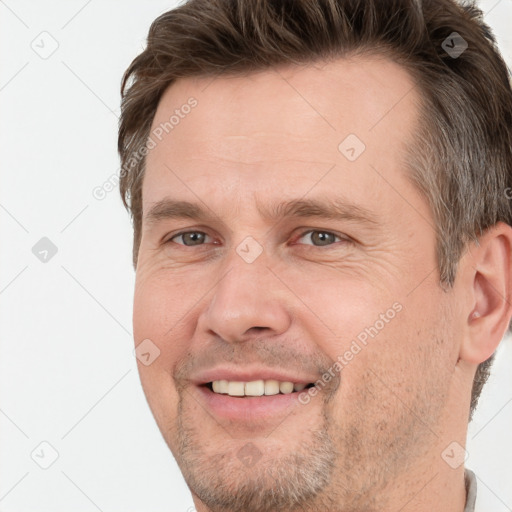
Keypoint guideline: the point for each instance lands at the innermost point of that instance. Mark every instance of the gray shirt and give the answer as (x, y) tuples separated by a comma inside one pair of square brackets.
[(470, 480)]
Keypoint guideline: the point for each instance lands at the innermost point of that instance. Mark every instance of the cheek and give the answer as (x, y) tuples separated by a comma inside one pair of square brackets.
[(161, 310), (159, 315), (335, 308), (407, 360), (376, 335), (152, 307)]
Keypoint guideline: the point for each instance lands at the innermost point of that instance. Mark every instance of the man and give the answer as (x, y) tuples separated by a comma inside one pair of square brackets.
[(322, 247)]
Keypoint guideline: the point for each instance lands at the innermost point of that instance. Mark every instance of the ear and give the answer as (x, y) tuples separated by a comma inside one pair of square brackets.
[(490, 267)]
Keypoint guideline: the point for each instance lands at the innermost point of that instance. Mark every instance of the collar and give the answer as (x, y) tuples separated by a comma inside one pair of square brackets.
[(470, 481)]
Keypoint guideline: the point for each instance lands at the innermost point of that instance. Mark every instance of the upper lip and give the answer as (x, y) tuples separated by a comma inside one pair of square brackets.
[(249, 375)]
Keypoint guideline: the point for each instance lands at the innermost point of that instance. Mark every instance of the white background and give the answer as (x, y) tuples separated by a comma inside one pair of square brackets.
[(67, 370)]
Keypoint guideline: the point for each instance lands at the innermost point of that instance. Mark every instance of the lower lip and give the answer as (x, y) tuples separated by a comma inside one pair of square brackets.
[(251, 408)]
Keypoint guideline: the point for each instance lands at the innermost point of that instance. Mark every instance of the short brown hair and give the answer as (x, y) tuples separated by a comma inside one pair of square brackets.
[(461, 159)]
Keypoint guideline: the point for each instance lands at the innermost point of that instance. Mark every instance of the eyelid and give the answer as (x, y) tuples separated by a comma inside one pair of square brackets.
[(343, 238), (169, 238)]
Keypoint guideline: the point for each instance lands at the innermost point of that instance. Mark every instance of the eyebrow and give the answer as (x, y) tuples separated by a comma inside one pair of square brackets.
[(337, 209)]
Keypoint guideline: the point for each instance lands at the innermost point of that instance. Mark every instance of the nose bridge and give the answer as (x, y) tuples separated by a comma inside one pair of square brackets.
[(246, 297)]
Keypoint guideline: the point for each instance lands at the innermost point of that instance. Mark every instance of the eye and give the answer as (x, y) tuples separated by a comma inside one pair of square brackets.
[(317, 238), (321, 238), (190, 238)]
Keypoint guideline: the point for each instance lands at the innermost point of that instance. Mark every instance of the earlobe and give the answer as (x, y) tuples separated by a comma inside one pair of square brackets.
[(490, 263)]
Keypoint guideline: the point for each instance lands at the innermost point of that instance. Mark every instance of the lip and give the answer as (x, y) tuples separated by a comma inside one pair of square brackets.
[(251, 409), (249, 375)]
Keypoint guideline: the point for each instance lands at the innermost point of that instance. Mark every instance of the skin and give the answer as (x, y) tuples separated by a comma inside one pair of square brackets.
[(372, 439)]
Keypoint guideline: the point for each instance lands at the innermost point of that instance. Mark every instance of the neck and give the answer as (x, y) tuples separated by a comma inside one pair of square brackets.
[(432, 487)]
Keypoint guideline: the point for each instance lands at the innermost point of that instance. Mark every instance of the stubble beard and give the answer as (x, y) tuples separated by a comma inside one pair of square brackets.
[(287, 483), (347, 464)]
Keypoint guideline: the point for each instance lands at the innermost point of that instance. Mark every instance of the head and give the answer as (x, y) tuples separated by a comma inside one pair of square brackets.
[(318, 191)]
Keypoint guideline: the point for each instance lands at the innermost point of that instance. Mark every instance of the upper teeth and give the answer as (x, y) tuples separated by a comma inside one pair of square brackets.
[(255, 387)]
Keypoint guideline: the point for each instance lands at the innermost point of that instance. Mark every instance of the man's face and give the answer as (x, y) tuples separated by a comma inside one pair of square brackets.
[(251, 291)]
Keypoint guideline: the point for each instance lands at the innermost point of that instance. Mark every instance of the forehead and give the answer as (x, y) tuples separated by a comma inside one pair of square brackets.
[(281, 126)]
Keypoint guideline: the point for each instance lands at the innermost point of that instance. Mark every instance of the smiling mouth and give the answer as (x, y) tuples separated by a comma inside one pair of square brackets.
[(255, 389)]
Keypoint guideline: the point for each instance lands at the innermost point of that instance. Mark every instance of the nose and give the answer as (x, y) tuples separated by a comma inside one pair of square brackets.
[(249, 301)]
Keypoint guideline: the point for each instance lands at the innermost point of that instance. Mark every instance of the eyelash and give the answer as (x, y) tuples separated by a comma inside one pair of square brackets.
[(301, 235)]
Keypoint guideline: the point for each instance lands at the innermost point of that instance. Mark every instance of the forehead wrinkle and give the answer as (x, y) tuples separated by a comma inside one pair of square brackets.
[(332, 209)]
